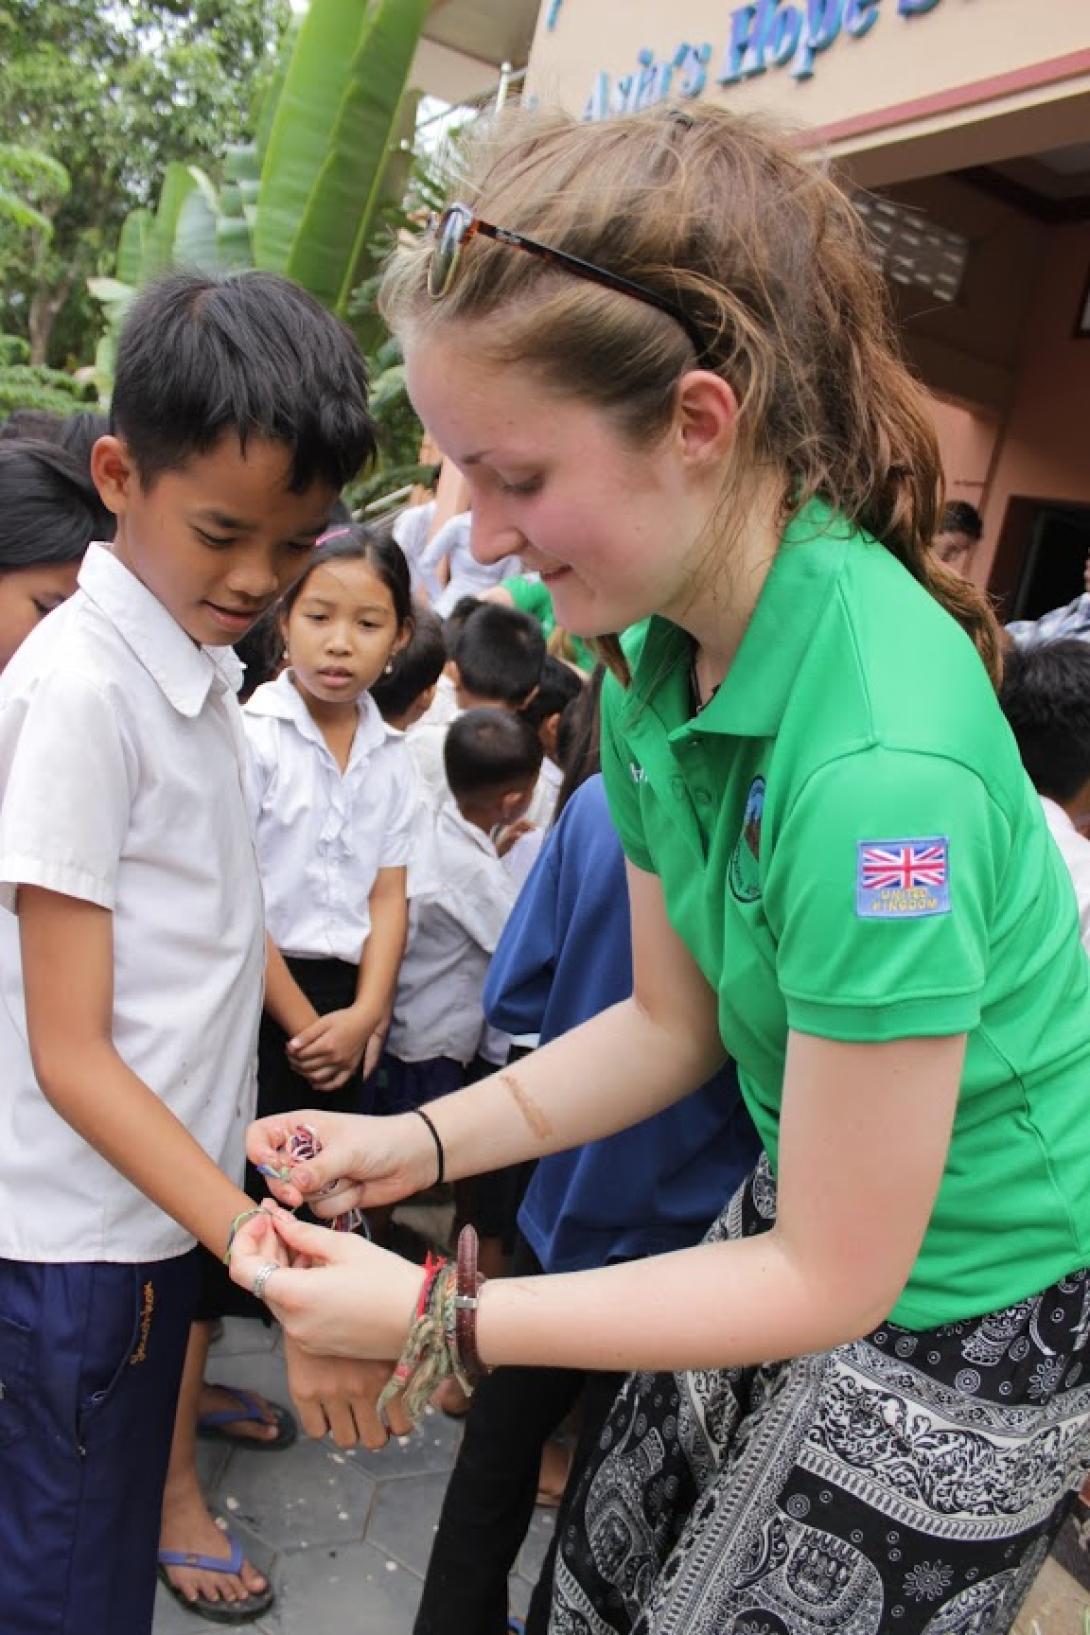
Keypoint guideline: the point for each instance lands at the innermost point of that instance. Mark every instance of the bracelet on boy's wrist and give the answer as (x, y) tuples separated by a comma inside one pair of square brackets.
[(232, 1230)]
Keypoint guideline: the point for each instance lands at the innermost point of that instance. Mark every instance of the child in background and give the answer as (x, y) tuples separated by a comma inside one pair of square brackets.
[(497, 663), (133, 961), (565, 955), (335, 801), (407, 692), (1046, 698), (444, 706), (560, 686), (49, 514), (448, 561), (492, 760)]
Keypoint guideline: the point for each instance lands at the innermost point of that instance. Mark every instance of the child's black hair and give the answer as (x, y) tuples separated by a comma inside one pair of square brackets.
[(455, 621), (578, 739), (80, 432), (416, 668), (1046, 698), (37, 424), (49, 507), (490, 751), (959, 517), (500, 654), (559, 686), (262, 652), (358, 543), (249, 355)]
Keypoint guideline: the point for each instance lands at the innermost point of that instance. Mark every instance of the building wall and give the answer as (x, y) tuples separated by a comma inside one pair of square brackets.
[(906, 51), (1044, 449)]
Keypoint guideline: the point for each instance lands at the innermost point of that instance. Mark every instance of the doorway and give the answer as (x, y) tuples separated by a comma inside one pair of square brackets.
[(1042, 553)]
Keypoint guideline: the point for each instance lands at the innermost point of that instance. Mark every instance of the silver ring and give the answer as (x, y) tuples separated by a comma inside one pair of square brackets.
[(262, 1277)]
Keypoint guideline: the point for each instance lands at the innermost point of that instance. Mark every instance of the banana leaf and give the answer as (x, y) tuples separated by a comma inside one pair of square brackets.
[(336, 127), (132, 244)]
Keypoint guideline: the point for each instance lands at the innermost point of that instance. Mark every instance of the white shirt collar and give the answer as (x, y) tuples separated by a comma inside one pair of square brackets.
[(449, 814), (282, 700), (184, 671)]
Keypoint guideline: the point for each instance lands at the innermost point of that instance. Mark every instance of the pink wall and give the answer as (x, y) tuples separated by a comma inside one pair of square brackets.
[(1044, 449)]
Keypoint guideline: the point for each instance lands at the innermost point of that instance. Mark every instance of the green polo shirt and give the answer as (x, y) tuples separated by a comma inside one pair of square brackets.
[(532, 597), (849, 846)]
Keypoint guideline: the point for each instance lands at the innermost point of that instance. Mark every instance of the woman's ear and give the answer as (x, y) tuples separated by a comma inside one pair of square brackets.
[(706, 417)]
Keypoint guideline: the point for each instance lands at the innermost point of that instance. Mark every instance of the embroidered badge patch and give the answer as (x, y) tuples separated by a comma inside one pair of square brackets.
[(902, 879), (745, 874)]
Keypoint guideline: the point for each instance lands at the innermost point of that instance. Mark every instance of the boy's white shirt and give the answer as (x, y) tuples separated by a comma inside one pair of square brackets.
[(323, 835), (546, 792), (410, 531), (1075, 849), (122, 784), (452, 936)]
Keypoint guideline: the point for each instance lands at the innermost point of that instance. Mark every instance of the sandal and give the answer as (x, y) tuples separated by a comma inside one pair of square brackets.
[(216, 1612), (213, 1427)]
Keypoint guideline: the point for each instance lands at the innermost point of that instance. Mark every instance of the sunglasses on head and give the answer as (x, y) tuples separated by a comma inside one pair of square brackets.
[(457, 224)]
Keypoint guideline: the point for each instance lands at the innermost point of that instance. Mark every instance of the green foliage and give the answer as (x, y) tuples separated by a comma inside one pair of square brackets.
[(22, 386), (114, 92)]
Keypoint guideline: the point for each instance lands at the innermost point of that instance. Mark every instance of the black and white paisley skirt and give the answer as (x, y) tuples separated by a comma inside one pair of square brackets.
[(907, 1484)]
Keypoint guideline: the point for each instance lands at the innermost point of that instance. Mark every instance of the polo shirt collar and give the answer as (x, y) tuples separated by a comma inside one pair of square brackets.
[(452, 818), (184, 671), (754, 693), (283, 700)]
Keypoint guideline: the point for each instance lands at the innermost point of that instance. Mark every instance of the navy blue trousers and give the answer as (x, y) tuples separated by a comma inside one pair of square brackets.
[(90, 1362)]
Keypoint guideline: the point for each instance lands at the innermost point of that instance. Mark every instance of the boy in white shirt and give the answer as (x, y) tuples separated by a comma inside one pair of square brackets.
[(492, 761), (1046, 698), (497, 662), (133, 956)]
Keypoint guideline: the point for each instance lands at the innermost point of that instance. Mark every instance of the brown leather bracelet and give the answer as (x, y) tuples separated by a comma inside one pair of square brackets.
[(466, 1303)]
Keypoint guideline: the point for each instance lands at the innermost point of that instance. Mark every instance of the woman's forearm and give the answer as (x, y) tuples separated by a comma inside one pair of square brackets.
[(719, 1305), (614, 1070)]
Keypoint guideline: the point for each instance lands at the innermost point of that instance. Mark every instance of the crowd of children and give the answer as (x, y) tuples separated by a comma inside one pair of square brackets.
[(390, 872)]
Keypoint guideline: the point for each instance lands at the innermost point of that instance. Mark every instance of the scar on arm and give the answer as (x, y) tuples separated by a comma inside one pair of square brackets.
[(527, 1106)]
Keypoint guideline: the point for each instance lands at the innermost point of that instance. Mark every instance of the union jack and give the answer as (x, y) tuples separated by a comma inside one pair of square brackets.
[(904, 864)]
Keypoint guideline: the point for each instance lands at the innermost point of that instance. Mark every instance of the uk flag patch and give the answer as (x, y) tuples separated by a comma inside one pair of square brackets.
[(902, 879)]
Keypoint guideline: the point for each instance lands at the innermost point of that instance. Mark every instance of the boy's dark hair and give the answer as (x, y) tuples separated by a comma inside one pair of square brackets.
[(262, 652), (358, 543), (559, 686), (959, 517), (578, 739), (249, 355), (490, 750), (49, 507), (455, 621), (1046, 698), (500, 654), (416, 668)]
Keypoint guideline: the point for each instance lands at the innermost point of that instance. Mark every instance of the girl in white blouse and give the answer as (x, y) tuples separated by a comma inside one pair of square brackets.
[(334, 794)]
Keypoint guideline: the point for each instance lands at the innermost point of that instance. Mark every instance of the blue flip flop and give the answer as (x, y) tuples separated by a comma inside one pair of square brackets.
[(216, 1612), (213, 1427)]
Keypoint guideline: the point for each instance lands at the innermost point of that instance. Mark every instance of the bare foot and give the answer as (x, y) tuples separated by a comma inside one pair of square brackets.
[(189, 1526), (215, 1399)]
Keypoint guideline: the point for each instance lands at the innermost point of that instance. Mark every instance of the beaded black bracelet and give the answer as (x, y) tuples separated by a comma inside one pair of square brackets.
[(439, 1153)]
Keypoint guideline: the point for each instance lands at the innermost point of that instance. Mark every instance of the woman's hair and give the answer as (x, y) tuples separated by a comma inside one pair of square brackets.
[(726, 217), (358, 543), (578, 739), (49, 507)]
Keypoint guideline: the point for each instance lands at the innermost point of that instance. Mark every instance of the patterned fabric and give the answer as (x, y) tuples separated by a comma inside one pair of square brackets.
[(906, 1484), (1070, 621)]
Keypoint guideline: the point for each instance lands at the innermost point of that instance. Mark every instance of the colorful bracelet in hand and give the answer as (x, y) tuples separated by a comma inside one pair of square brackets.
[(304, 1144), (442, 1339)]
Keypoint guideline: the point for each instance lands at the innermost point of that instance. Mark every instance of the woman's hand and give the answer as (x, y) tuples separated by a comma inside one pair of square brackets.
[(341, 1297), (377, 1160)]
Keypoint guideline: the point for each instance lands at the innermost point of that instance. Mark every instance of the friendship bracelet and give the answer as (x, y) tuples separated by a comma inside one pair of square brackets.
[(439, 1153), (425, 1360), (232, 1230)]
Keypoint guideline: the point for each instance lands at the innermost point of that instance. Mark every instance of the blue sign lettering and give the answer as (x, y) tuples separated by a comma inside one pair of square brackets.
[(763, 34)]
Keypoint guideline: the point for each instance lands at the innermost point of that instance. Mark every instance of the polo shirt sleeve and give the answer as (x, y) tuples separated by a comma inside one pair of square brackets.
[(881, 892), (622, 789), (66, 782)]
